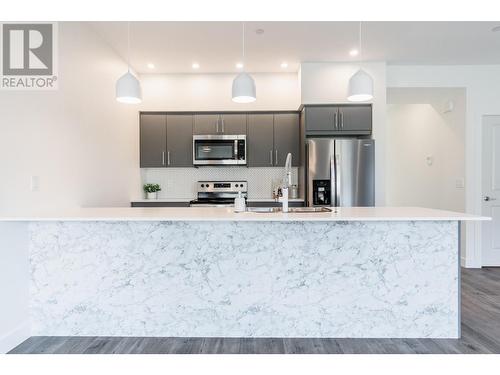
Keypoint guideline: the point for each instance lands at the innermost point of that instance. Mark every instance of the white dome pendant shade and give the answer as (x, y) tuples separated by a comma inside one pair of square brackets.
[(360, 87), (244, 89), (128, 89), (243, 84), (361, 83)]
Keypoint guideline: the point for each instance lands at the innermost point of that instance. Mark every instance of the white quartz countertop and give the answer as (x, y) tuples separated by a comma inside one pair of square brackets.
[(227, 214)]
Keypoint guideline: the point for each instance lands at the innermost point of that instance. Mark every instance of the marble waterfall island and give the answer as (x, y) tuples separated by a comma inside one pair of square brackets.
[(357, 272)]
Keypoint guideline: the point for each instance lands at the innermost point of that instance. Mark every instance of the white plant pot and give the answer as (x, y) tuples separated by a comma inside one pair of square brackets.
[(152, 195)]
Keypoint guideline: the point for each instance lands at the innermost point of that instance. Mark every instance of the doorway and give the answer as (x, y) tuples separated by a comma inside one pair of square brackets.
[(490, 155), (425, 158)]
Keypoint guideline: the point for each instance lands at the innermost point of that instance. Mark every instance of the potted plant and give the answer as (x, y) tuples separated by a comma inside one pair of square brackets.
[(151, 190)]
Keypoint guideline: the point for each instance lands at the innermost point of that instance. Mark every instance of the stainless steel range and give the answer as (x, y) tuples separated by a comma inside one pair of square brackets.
[(219, 193)]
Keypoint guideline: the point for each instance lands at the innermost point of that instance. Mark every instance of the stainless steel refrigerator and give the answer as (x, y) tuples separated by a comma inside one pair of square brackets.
[(340, 172)]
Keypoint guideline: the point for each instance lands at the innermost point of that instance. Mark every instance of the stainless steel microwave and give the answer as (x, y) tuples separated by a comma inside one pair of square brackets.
[(219, 149)]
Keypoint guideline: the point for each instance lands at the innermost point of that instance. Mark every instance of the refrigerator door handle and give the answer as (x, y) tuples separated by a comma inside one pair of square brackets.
[(333, 181), (338, 178)]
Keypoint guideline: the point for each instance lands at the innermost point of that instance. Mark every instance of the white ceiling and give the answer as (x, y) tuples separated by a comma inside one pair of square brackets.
[(216, 46)]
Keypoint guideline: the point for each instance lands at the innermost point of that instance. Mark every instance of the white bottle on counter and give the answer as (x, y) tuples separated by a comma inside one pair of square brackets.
[(240, 203), (284, 199)]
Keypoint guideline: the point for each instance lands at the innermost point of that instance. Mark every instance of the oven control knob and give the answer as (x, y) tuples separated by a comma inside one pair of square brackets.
[(207, 185), (241, 185), (202, 185)]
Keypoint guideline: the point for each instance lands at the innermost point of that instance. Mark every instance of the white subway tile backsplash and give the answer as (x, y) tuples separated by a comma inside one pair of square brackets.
[(180, 183)]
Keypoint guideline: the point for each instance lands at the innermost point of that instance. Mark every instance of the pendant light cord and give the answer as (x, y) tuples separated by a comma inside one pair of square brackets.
[(359, 35), (128, 45), (243, 46)]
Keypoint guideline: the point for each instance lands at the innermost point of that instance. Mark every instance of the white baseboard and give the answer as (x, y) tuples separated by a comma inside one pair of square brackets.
[(13, 338), (470, 264)]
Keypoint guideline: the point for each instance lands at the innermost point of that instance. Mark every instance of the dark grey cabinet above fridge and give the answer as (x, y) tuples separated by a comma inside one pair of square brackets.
[(338, 119)]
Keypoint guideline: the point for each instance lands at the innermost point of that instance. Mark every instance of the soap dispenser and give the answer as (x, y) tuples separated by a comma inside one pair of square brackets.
[(239, 203)]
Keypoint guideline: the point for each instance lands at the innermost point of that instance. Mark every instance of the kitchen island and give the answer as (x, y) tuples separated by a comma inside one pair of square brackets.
[(185, 272)]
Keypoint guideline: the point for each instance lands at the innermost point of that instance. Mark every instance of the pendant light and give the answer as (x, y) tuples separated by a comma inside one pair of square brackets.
[(128, 87), (243, 84), (361, 83)]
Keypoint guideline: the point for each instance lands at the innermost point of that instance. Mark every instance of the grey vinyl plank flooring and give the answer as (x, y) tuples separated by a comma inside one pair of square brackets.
[(131, 345), (480, 334), (182, 345), (74, 345), (298, 346), (102, 345), (220, 345), (41, 345), (262, 346)]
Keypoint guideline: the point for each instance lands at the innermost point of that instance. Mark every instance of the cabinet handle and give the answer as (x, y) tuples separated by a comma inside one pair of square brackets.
[(222, 121), (335, 121), (168, 157), (163, 158), (271, 157), (217, 125), (276, 156), (341, 114)]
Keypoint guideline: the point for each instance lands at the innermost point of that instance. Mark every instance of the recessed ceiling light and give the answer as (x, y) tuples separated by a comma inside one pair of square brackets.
[(284, 65), (195, 66), (259, 31), (151, 65), (239, 65), (496, 29), (354, 52)]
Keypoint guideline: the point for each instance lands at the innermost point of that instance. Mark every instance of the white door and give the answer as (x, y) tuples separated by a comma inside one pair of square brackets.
[(491, 190)]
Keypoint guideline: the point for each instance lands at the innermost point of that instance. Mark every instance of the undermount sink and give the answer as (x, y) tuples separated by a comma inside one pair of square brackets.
[(309, 209), (270, 210), (264, 210)]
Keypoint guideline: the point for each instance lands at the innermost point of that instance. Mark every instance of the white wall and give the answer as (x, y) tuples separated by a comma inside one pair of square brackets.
[(79, 141), (14, 285), (328, 83), (212, 92), (417, 128), (482, 86)]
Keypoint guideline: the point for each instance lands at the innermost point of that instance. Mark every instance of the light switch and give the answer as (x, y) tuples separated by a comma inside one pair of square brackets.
[(35, 183), (429, 160), (460, 183)]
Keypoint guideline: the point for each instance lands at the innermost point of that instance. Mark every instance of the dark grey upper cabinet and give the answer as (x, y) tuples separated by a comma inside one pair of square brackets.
[(179, 140), (338, 119), (221, 124), (321, 119), (286, 138), (233, 124), (260, 144), (271, 137), (206, 124), (153, 140), (355, 118)]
